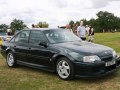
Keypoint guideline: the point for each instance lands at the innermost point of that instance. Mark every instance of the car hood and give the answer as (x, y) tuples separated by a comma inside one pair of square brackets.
[(84, 47)]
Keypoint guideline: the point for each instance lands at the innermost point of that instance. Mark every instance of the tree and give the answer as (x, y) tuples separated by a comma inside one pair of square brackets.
[(42, 25), (106, 20), (85, 21), (17, 24), (71, 23), (77, 23), (115, 23), (3, 27)]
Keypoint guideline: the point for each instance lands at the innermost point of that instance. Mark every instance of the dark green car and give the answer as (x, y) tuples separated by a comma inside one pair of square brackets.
[(59, 50)]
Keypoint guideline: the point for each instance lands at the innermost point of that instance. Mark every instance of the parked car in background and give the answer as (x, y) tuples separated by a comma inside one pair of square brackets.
[(59, 50), (4, 37), (3, 34)]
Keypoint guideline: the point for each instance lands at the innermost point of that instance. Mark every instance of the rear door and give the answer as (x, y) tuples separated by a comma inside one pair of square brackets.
[(21, 45)]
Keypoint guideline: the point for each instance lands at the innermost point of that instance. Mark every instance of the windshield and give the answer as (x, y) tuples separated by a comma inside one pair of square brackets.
[(60, 36)]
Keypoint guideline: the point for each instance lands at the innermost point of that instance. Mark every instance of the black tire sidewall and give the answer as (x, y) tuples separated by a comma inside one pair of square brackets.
[(71, 75)]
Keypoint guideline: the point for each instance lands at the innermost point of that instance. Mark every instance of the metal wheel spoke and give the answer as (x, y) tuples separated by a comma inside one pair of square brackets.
[(63, 63), (67, 67), (62, 72), (60, 67), (66, 73)]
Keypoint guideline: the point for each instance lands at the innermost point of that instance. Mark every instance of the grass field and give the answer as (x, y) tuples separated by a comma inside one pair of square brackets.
[(24, 78)]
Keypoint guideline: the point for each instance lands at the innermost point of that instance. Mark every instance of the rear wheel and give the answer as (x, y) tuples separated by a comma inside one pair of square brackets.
[(10, 59), (65, 69)]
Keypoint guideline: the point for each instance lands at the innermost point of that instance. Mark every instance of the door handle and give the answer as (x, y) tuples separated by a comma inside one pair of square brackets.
[(14, 46), (29, 48)]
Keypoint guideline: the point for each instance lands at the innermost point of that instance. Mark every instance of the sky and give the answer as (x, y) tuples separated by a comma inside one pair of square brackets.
[(54, 12)]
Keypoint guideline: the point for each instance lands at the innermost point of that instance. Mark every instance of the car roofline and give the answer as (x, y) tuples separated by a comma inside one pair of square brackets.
[(42, 29)]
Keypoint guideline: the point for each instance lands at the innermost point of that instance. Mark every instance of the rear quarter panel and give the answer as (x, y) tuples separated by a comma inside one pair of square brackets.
[(4, 48)]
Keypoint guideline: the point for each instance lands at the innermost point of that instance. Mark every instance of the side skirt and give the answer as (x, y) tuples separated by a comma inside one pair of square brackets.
[(45, 68)]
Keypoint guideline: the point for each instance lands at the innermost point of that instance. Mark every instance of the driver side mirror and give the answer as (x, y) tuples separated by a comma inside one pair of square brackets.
[(45, 44)]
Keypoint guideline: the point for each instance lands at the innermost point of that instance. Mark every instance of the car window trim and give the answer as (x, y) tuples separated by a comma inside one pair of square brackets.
[(19, 33), (38, 31)]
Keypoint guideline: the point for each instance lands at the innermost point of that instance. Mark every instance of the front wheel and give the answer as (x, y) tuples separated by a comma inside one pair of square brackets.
[(10, 59), (65, 69)]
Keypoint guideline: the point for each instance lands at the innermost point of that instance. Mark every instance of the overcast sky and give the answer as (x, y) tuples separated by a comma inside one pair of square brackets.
[(55, 12)]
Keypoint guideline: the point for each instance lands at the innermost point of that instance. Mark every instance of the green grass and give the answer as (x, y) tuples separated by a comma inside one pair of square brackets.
[(24, 78), (109, 39)]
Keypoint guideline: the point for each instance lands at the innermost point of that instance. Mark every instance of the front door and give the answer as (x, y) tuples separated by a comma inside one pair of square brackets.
[(38, 54)]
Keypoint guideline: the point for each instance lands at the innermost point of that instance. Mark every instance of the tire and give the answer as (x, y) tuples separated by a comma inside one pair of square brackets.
[(65, 69), (10, 59)]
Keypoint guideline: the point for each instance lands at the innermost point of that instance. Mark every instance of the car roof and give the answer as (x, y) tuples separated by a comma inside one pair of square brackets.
[(42, 29)]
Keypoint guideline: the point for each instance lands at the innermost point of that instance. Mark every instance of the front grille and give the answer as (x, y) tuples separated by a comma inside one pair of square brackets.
[(105, 53), (106, 59)]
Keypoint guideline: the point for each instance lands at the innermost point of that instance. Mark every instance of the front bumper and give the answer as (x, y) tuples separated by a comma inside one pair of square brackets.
[(95, 69)]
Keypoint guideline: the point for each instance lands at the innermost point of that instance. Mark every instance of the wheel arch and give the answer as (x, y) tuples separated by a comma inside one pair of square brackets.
[(8, 50), (57, 57)]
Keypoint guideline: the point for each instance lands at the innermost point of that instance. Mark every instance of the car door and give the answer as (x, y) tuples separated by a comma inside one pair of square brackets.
[(21, 45), (38, 54)]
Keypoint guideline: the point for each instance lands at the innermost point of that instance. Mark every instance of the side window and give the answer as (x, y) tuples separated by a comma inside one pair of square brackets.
[(36, 37), (22, 37)]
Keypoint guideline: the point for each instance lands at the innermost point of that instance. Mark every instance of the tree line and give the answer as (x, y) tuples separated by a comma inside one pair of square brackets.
[(18, 24), (105, 22)]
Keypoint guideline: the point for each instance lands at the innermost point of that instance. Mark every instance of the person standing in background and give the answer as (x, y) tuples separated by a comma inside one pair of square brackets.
[(87, 28), (90, 34), (9, 32), (81, 31), (69, 28), (33, 26), (75, 26)]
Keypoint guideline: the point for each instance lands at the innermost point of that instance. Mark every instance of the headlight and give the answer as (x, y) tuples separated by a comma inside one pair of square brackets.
[(83, 58), (91, 58), (114, 54)]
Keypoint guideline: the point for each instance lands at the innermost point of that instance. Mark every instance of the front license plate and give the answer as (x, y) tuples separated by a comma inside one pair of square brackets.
[(110, 63)]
